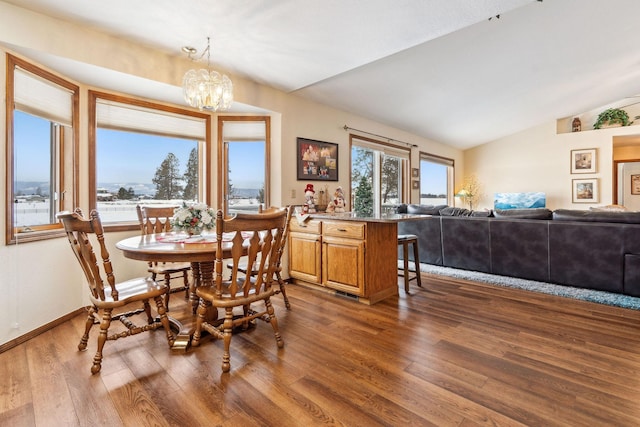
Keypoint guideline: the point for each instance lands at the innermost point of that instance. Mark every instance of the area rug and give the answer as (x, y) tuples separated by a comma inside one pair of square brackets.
[(600, 297)]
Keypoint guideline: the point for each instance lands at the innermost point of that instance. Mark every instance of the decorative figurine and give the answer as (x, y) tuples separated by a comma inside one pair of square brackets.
[(337, 203), (309, 193), (576, 125)]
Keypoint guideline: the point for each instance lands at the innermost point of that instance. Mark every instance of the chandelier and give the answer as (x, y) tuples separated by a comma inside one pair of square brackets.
[(206, 89)]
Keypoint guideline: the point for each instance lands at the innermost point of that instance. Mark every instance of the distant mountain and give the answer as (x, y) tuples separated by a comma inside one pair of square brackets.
[(246, 193), (31, 187)]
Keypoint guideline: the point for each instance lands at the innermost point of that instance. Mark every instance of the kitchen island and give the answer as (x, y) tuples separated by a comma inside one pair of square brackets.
[(347, 254)]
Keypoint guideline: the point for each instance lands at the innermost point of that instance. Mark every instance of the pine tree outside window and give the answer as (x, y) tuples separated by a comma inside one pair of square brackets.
[(145, 153), (378, 176)]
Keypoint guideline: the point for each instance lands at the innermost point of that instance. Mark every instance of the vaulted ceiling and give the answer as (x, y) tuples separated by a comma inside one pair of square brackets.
[(461, 72)]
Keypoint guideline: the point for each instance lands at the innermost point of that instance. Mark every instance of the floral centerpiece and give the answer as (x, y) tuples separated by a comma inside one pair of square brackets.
[(193, 218)]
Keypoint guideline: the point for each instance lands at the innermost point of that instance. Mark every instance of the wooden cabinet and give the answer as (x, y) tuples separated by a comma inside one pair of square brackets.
[(343, 256), (357, 258), (305, 250)]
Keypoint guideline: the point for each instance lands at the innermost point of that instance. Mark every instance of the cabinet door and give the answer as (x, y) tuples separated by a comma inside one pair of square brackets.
[(343, 264), (304, 257)]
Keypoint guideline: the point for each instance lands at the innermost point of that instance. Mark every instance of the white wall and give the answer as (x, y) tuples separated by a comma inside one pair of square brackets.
[(41, 281), (538, 159)]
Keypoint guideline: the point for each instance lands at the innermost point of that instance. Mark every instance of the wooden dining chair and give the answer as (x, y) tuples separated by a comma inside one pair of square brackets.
[(114, 296), (259, 238), (157, 219), (242, 267)]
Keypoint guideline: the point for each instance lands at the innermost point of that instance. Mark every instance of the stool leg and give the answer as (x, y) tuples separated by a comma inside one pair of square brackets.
[(405, 256), (416, 262)]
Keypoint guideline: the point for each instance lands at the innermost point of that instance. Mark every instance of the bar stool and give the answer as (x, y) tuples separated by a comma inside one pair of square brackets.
[(405, 240)]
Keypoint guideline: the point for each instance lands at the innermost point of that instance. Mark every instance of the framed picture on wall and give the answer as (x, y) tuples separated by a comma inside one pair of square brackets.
[(415, 184), (317, 160), (635, 185), (585, 190), (584, 161), (415, 172)]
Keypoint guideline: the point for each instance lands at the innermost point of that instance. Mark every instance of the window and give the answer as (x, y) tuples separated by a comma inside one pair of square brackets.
[(143, 152), (436, 180), (243, 163), (378, 174), (42, 117)]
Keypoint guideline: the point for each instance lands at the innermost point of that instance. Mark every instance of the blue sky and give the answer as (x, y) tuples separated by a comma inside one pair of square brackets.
[(433, 177), (124, 156), (137, 156)]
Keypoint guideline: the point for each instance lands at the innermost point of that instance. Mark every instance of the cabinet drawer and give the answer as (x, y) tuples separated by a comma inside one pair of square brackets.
[(353, 230), (310, 226)]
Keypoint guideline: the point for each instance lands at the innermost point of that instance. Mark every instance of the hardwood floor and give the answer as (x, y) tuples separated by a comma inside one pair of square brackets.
[(453, 353)]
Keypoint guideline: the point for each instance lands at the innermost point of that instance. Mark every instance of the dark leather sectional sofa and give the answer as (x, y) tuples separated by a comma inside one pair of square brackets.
[(581, 248)]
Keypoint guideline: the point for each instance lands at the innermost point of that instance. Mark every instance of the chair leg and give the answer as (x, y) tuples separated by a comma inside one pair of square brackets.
[(203, 308), (274, 322), (405, 256), (416, 263), (185, 281), (167, 281), (102, 338), (227, 334), (87, 328), (164, 319), (282, 283), (147, 310)]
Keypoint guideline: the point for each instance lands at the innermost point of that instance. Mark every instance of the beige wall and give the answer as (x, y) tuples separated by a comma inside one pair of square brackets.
[(538, 159), (41, 281)]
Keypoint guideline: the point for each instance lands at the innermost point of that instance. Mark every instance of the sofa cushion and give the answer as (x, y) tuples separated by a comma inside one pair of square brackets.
[(400, 209), (425, 209), (596, 216), (486, 213), (451, 211), (532, 213)]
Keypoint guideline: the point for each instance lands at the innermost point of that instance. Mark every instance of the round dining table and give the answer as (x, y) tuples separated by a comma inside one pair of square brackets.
[(199, 251)]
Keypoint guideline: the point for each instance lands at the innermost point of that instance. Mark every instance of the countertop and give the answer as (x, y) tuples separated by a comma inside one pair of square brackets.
[(352, 216)]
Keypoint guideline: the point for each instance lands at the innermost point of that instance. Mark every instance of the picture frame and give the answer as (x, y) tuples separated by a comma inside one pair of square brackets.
[(635, 185), (584, 161), (415, 172), (316, 160), (585, 190), (415, 185)]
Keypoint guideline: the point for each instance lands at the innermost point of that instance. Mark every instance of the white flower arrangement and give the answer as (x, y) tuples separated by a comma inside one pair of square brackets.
[(193, 218)]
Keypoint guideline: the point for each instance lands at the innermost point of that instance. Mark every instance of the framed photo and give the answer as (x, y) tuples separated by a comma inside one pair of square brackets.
[(635, 185), (415, 173), (585, 190), (317, 160), (415, 184), (584, 161)]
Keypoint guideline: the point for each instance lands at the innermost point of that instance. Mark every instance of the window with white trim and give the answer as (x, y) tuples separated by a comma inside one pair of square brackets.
[(145, 153)]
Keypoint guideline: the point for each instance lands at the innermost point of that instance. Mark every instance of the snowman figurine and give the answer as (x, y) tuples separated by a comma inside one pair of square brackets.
[(309, 193)]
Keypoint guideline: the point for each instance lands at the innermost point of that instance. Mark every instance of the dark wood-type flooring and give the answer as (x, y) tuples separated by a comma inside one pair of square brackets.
[(453, 353)]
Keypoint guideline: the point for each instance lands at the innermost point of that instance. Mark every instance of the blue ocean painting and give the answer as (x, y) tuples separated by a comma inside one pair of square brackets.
[(519, 200)]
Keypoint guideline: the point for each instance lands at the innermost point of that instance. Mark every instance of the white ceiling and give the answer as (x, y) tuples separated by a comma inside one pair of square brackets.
[(440, 69)]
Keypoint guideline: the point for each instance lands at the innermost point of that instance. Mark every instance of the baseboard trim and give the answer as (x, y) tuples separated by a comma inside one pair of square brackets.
[(44, 328)]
